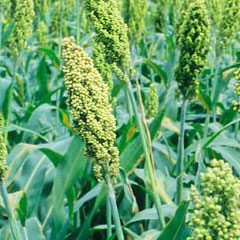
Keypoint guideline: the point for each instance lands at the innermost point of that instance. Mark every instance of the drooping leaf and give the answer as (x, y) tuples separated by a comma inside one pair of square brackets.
[(173, 228)]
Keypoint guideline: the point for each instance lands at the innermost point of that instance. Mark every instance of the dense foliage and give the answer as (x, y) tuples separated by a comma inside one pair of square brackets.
[(119, 119)]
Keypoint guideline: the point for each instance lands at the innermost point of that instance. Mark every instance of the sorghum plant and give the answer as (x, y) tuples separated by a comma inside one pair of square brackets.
[(92, 116), (23, 18), (193, 43), (42, 33), (216, 204), (229, 21), (134, 15), (151, 102), (111, 49), (90, 108)]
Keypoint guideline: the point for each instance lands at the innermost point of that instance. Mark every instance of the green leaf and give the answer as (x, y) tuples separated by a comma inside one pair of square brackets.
[(22, 209), (6, 107), (33, 229), (151, 213), (84, 232), (173, 227), (211, 138), (7, 33), (54, 157), (230, 155), (51, 54), (68, 171), (71, 194), (158, 69), (134, 150), (42, 76)]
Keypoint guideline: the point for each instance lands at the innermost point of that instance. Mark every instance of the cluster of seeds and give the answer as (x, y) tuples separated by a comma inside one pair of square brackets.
[(90, 108), (217, 205), (236, 103), (134, 15), (56, 15), (215, 11), (193, 41), (42, 33), (3, 151), (181, 17), (111, 50), (229, 21), (23, 18), (151, 103)]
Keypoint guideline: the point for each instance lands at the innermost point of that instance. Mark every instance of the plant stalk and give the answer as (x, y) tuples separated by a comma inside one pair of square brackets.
[(147, 156), (12, 221), (109, 217), (181, 152), (116, 218)]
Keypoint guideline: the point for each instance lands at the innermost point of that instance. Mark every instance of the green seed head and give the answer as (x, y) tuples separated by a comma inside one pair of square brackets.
[(134, 15), (236, 103), (215, 11), (23, 18), (56, 16), (216, 204), (42, 6), (160, 14), (42, 33), (111, 52), (181, 17), (90, 108), (193, 44), (3, 151), (229, 21), (151, 103)]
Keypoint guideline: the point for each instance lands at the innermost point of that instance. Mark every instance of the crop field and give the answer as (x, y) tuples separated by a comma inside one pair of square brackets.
[(119, 119)]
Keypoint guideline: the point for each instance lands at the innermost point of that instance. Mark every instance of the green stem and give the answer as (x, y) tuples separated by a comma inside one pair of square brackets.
[(116, 218), (59, 54), (109, 217), (12, 222), (147, 156), (181, 152), (129, 106)]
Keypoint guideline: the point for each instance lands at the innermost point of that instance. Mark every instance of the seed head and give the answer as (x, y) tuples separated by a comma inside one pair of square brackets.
[(236, 103), (23, 18), (229, 21), (3, 151), (193, 45), (151, 103), (56, 15), (90, 109), (111, 51), (135, 12), (42, 33), (217, 204)]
